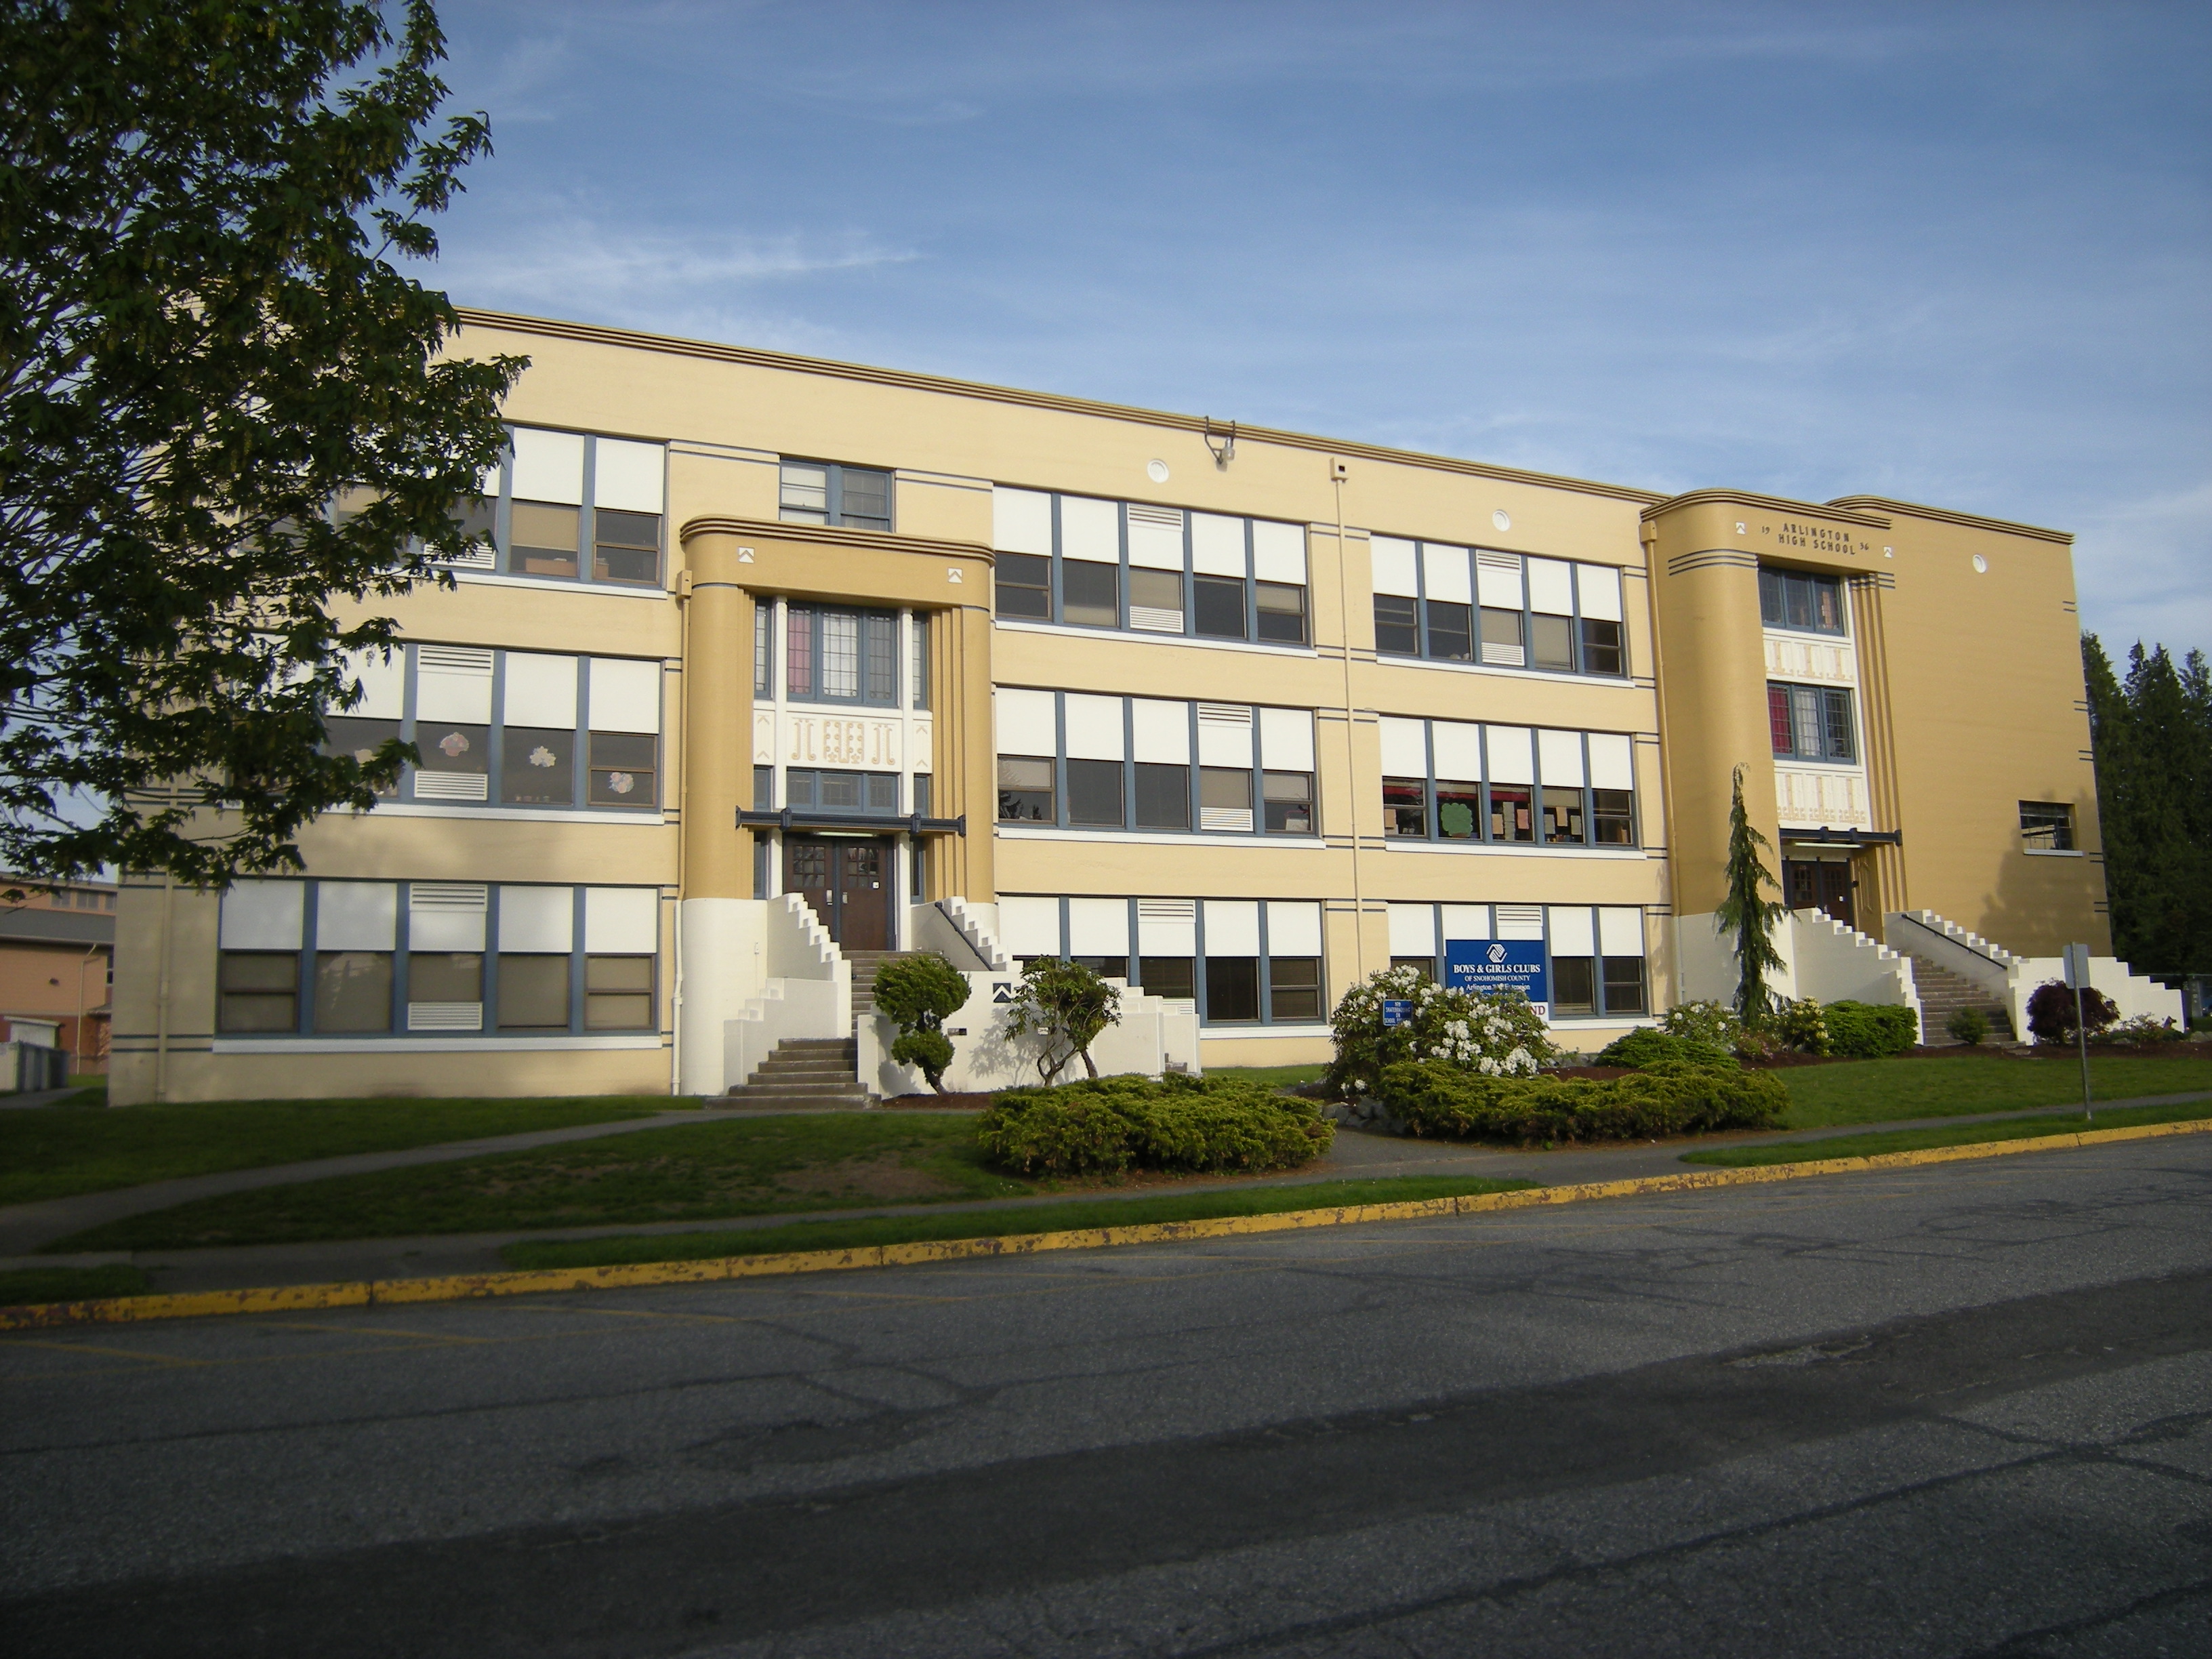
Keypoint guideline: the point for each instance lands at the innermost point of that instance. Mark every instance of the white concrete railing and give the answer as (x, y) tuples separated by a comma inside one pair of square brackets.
[(1821, 958), (1154, 1035), (2012, 979), (952, 929), (808, 990)]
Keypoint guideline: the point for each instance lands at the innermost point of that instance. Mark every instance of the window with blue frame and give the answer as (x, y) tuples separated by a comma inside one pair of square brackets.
[(1086, 562), (831, 654), (1460, 604), (572, 507), (366, 958), (1594, 955), (828, 493), (1242, 961), (1455, 783), (509, 728), (1801, 601)]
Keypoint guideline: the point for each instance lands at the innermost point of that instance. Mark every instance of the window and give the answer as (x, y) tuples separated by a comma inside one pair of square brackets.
[(835, 655), (559, 496), (1458, 604), (1225, 768), (1087, 563), (1253, 961), (2046, 826), (416, 957), (1801, 601), (1455, 782), (872, 793), (1593, 956), (764, 647), (511, 728), (823, 492), (920, 648), (1811, 722)]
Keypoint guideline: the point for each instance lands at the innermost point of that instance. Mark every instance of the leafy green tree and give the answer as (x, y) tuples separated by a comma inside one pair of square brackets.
[(1748, 913), (1067, 1005), (921, 993), (206, 350), (2152, 737)]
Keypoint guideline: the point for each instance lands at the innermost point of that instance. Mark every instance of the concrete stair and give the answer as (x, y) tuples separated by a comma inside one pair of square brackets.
[(1943, 992), (806, 1074)]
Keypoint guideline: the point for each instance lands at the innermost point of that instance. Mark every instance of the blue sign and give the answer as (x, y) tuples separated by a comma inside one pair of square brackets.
[(1494, 964), (1396, 1010)]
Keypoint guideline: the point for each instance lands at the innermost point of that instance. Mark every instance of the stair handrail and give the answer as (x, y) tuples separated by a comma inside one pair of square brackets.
[(1907, 915), (984, 962)]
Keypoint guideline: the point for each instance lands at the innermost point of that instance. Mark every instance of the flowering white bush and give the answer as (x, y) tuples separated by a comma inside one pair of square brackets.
[(1499, 1033)]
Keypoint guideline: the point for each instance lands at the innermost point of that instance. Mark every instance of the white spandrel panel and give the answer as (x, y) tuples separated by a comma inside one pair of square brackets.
[(447, 915), (1098, 927), (1156, 538), (1612, 761), (1571, 930), (1412, 930), (1217, 545), (1029, 925), (1499, 577), (1225, 734), (383, 684), (1620, 931), (1021, 521), (1444, 573), (356, 915), (1551, 587), (1395, 566), (1278, 552), (540, 690), (622, 920), (264, 915), (626, 476), (1027, 724), (1286, 739), (1090, 530), (1559, 758), (453, 683), (625, 695), (538, 920), (1465, 921), (1167, 927), (1511, 759), (1598, 586), (1458, 751), (549, 467), (1294, 927), (1405, 748), (1094, 727), (1161, 730), (1233, 927)]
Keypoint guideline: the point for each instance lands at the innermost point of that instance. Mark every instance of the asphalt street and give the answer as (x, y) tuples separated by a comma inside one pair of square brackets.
[(1961, 1410)]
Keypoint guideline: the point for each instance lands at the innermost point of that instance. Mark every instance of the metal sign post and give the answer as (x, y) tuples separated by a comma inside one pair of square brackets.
[(2077, 976)]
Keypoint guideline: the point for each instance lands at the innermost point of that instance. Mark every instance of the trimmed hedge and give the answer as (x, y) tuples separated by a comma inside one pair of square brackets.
[(1668, 1097), (1644, 1046), (1866, 1030), (1102, 1125)]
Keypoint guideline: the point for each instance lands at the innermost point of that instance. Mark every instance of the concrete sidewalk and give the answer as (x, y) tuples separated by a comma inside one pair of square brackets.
[(1358, 1155)]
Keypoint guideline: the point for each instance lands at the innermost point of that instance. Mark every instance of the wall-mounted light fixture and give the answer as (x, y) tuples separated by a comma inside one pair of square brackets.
[(1221, 440)]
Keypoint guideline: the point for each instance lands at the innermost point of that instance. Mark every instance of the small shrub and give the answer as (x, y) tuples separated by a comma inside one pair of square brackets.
[(1802, 1025), (1499, 1033), (1967, 1025), (2051, 1015), (1174, 1122), (1067, 1005), (2143, 1031), (1866, 1030), (1668, 1097), (1644, 1046), (921, 993), (1713, 1023), (1752, 1043)]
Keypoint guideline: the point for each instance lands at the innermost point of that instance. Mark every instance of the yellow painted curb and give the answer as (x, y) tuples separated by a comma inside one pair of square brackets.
[(359, 1293)]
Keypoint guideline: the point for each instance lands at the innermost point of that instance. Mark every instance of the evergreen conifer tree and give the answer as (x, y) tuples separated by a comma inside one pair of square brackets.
[(1746, 912), (2152, 737)]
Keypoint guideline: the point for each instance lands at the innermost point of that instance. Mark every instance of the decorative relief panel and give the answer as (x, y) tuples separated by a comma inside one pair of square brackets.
[(922, 757), (1789, 658), (764, 737), (837, 740), (1809, 800)]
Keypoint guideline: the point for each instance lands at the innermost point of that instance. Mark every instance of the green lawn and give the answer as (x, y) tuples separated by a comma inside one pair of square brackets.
[(1884, 1091), (22, 1286), (1959, 1134), (705, 1171), (82, 1146), (1282, 1076), (991, 1223)]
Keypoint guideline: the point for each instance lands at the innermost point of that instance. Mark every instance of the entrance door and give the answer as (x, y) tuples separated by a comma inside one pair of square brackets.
[(848, 881), (1811, 885)]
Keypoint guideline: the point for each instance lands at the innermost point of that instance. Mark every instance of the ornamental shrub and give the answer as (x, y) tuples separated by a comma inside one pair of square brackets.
[(1067, 1005), (1668, 1097), (1866, 1030), (2143, 1031), (921, 993), (1497, 1033), (1174, 1122), (2051, 1014), (1802, 1025), (1644, 1046), (1713, 1023), (1967, 1025)]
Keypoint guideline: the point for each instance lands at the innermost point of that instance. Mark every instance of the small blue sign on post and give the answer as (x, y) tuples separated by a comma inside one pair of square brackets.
[(1396, 1010), (1495, 964)]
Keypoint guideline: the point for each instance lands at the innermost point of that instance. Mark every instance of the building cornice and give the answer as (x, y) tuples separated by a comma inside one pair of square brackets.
[(833, 535), (1838, 512), (789, 364), (1944, 516)]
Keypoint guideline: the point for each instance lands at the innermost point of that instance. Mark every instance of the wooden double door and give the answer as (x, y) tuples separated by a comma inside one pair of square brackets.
[(847, 880), (1820, 884)]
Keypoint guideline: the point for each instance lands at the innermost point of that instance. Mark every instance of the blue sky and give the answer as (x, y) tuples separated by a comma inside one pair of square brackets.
[(1952, 253)]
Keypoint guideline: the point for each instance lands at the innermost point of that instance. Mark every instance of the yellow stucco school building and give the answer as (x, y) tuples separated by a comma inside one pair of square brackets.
[(780, 665)]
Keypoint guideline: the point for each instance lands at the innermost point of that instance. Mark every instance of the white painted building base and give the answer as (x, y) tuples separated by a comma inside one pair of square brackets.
[(2012, 979), (1821, 959)]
